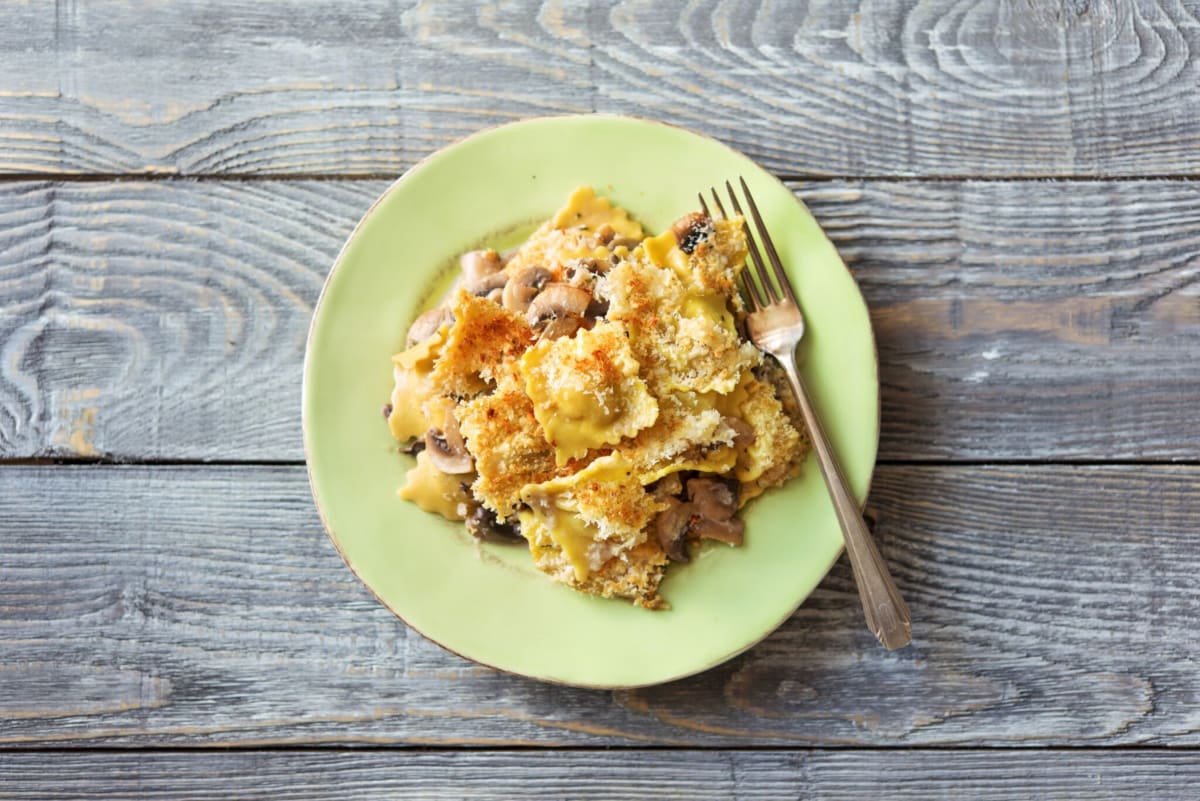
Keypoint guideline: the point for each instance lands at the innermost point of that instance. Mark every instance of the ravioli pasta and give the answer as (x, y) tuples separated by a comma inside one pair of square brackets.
[(591, 396)]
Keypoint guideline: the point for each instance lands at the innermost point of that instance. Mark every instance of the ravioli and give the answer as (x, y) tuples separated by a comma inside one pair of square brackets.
[(585, 390)]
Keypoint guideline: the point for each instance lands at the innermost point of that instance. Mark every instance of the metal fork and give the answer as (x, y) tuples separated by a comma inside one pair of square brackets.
[(776, 326)]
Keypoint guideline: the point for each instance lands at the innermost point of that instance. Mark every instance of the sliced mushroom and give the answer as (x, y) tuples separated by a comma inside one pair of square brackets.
[(731, 531), (597, 308), (605, 234), (667, 486), (691, 229), (427, 325), (478, 264), (523, 287), (713, 498), (490, 287), (743, 433), (584, 272), (447, 449), (561, 327), (715, 502), (486, 527), (413, 447), (627, 242), (557, 301), (671, 527)]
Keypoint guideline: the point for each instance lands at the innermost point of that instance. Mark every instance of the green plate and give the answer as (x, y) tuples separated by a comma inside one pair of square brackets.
[(488, 603)]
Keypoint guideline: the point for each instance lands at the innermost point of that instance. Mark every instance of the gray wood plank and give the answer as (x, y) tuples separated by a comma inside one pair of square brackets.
[(1012, 88), (1015, 320), (920, 775), (203, 606)]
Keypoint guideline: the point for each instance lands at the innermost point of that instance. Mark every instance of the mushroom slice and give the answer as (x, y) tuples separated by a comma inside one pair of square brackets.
[(597, 308), (523, 287), (447, 449), (427, 324), (558, 300), (671, 527), (605, 234), (561, 327), (584, 272), (743, 432), (713, 498), (691, 229), (715, 502), (486, 527), (730, 531), (479, 264), (490, 287)]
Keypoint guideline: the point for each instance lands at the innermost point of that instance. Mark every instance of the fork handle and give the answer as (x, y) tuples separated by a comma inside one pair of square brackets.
[(886, 613)]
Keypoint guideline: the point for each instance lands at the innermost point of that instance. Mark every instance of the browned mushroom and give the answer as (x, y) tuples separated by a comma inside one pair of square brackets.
[(490, 287), (691, 229), (627, 242), (427, 325), (558, 301), (714, 498), (523, 287), (478, 264), (730, 531), (584, 272), (715, 502), (671, 527), (561, 327), (743, 432), (486, 527), (605, 234), (447, 449)]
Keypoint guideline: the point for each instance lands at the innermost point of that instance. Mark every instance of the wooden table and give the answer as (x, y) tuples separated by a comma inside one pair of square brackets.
[(1013, 184)]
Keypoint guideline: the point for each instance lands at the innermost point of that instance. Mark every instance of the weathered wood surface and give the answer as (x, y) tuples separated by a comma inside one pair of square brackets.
[(1008, 88), (1015, 320), (195, 606), (202, 606), (913, 775)]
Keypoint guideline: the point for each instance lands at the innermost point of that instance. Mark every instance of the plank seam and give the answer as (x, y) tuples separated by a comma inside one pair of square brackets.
[(335, 747)]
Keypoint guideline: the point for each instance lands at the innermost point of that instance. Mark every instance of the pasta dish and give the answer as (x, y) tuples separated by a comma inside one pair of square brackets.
[(590, 394)]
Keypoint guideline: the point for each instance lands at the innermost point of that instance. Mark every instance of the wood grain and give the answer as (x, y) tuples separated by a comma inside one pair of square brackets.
[(166, 320), (1011, 88), (1028, 320), (202, 606), (917, 775)]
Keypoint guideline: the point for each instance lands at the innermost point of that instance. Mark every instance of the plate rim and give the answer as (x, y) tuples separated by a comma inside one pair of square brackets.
[(306, 387)]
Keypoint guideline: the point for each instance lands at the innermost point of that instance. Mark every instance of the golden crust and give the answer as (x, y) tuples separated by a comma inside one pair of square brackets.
[(485, 340), (509, 446), (634, 576)]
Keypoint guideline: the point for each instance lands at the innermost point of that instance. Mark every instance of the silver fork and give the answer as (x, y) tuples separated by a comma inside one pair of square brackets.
[(776, 326)]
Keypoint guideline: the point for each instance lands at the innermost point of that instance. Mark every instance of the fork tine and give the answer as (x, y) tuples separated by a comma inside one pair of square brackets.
[(717, 200), (750, 289), (784, 283), (767, 295)]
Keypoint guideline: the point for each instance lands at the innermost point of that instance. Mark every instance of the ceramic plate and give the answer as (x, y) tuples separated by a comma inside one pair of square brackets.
[(487, 602)]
